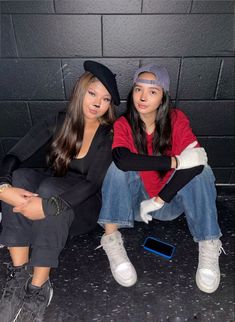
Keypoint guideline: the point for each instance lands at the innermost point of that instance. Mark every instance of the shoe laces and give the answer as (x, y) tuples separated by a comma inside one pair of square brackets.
[(209, 253), (115, 251), (32, 301), (35, 296)]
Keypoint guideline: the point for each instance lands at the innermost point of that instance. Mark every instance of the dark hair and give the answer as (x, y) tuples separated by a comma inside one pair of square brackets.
[(68, 141), (162, 133)]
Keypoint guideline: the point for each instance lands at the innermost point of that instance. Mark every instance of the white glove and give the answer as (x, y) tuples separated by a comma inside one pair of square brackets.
[(147, 206), (191, 157)]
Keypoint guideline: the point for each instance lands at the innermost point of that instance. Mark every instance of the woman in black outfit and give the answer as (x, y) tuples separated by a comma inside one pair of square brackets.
[(40, 208)]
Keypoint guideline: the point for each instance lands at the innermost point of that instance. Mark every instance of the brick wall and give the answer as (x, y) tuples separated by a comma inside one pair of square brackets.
[(44, 44)]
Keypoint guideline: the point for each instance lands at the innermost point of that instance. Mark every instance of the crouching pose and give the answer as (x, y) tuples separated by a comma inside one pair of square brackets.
[(40, 208), (159, 172)]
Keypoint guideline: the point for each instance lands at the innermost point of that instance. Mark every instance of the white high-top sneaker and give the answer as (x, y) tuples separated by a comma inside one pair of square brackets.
[(208, 272), (122, 269)]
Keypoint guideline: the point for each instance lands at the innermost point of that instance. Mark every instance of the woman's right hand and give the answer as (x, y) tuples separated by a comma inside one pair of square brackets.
[(191, 157), (15, 196)]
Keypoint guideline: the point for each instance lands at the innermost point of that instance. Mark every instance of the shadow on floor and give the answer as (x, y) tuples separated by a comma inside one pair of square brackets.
[(85, 291)]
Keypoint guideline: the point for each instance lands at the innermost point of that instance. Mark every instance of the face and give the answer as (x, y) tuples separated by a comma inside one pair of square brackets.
[(97, 101), (147, 97)]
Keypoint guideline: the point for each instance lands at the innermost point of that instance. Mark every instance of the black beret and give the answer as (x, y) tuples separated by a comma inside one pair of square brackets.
[(106, 77)]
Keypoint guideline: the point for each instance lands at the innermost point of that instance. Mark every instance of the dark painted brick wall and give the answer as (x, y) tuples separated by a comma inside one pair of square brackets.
[(44, 44)]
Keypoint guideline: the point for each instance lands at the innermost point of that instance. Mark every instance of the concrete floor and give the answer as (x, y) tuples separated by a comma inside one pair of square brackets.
[(85, 291)]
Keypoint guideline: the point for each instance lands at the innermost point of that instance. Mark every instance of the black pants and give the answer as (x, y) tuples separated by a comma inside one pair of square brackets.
[(46, 237)]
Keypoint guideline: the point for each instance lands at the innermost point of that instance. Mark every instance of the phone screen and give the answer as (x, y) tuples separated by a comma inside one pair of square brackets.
[(159, 247)]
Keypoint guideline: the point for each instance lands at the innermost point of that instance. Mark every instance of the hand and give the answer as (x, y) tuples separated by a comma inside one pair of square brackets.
[(32, 209), (16, 196), (191, 157), (147, 206)]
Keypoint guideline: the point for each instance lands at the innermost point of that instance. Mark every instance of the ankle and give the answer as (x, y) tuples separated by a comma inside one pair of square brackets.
[(40, 276), (36, 286), (38, 283), (112, 237), (110, 229), (19, 265), (107, 233)]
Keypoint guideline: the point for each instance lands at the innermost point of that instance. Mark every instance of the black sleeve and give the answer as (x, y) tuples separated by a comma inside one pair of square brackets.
[(178, 181), (40, 134), (90, 185), (8, 165), (128, 161), (37, 136)]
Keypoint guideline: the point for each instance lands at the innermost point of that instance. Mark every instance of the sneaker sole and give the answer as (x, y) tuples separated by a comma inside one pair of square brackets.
[(49, 302), (203, 288), (17, 315), (128, 283), (50, 297)]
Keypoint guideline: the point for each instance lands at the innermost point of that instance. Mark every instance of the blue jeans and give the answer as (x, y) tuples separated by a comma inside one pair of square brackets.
[(122, 193)]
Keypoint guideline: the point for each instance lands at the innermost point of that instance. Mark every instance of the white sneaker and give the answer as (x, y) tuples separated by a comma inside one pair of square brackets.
[(122, 269), (208, 272)]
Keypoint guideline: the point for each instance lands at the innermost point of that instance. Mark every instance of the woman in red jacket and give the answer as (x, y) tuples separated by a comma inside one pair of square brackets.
[(158, 172)]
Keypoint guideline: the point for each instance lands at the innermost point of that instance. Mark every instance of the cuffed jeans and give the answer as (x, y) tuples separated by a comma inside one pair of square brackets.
[(122, 193), (46, 237)]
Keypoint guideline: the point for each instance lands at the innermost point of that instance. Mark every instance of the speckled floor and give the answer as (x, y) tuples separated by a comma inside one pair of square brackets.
[(85, 291)]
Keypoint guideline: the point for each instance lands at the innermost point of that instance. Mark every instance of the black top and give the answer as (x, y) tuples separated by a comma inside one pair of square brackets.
[(79, 165), (91, 169)]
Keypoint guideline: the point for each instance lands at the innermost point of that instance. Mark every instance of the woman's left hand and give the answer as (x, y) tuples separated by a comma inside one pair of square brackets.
[(150, 205), (32, 209)]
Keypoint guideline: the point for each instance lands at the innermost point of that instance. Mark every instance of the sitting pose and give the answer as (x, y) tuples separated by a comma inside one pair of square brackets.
[(159, 172), (66, 197)]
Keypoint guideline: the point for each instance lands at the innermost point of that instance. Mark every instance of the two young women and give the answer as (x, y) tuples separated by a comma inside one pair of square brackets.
[(150, 142), (66, 197), (158, 172)]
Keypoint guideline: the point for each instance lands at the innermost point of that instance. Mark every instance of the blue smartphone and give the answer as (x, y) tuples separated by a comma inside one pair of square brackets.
[(159, 247)]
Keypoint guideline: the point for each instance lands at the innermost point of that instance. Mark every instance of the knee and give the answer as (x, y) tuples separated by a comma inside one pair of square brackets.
[(114, 173), (207, 175), (20, 177), (47, 188), (117, 177), (200, 185)]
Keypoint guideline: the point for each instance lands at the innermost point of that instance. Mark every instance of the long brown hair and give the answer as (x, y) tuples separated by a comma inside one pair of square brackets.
[(162, 134), (68, 140)]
